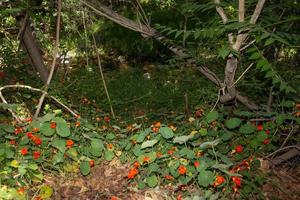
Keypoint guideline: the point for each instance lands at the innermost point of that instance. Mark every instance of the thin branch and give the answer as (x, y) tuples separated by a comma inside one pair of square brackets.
[(224, 18), (102, 77), (41, 101), (259, 6), (242, 36), (241, 76), (15, 116), (241, 10), (283, 148), (221, 11), (36, 90)]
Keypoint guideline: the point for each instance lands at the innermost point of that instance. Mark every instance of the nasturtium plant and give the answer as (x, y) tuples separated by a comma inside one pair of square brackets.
[(233, 123)]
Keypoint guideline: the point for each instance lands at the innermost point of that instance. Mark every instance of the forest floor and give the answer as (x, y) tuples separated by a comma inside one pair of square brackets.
[(158, 99)]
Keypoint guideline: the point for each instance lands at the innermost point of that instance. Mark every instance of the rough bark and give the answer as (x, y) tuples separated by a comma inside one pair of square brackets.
[(31, 47)]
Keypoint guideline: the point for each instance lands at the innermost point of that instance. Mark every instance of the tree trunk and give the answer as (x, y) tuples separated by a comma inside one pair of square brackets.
[(30, 45)]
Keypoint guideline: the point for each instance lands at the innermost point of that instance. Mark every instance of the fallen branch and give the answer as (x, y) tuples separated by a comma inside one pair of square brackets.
[(36, 90)]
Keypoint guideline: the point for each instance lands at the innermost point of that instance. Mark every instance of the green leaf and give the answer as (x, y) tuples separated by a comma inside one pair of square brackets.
[(182, 139), (109, 155), (46, 192), (85, 168), (261, 136), (46, 129), (280, 119), (96, 147), (142, 135), (212, 116), (151, 181), (72, 153), (62, 128), (205, 178), (149, 143), (261, 63), (210, 144), (233, 123), (226, 136), (166, 132), (59, 144), (58, 158), (247, 128), (255, 56), (48, 117), (7, 128)]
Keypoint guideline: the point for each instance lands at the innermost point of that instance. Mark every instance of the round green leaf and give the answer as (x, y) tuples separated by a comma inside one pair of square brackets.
[(205, 178), (109, 155), (46, 129), (62, 128), (166, 132), (247, 128), (85, 168), (151, 181), (59, 144), (96, 147), (149, 143), (233, 123), (212, 116)]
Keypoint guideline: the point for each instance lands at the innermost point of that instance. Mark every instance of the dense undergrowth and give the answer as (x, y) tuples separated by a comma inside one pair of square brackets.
[(214, 152)]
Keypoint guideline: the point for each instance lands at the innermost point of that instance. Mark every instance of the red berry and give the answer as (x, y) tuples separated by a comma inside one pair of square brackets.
[(36, 154)]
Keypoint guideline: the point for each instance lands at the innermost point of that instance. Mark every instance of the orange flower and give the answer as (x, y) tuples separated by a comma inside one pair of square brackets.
[(29, 119), (36, 140), (36, 155), (237, 181), (92, 163), (69, 143), (179, 197), (136, 164), (146, 159), (21, 190), (18, 130), (53, 125), (158, 154), (114, 198), (266, 141), (181, 169), (239, 149), (170, 152), (169, 177), (24, 151), (77, 124), (132, 173), (110, 146), (38, 198), (29, 135), (12, 142), (156, 127), (196, 164), (219, 181), (260, 127)]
